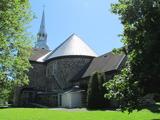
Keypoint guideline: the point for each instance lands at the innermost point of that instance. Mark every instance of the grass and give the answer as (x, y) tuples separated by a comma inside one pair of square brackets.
[(46, 114)]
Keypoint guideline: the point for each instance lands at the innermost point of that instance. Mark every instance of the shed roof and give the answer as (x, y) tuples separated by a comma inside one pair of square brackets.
[(105, 63)]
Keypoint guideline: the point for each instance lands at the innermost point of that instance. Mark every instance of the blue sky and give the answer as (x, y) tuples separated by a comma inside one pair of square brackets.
[(91, 20)]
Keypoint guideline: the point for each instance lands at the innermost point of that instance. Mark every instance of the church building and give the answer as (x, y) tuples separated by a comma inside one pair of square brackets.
[(59, 77)]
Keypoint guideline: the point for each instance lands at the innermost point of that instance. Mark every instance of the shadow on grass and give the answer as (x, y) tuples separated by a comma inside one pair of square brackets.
[(2, 108), (102, 109), (154, 108), (11, 106)]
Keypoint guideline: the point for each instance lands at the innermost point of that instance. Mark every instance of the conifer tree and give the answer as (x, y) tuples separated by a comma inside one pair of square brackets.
[(96, 91)]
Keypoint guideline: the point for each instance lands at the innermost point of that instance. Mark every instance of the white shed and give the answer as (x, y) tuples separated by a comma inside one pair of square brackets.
[(71, 99)]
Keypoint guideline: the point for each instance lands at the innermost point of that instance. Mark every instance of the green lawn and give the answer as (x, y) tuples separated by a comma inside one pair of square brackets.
[(46, 114)]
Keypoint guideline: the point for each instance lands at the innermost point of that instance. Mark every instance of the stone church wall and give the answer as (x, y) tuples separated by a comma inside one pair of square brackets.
[(37, 76), (67, 69), (50, 78)]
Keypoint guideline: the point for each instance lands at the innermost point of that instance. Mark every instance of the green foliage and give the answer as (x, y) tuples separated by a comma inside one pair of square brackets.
[(14, 44), (96, 91), (141, 37), (4, 96)]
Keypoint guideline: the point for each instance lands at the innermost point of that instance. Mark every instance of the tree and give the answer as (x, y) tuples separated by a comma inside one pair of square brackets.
[(141, 38), (103, 103), (96, 91), (14, 44)]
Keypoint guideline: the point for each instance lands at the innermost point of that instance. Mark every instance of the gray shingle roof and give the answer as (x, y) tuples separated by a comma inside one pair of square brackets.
[(37, 53), (105, 63)]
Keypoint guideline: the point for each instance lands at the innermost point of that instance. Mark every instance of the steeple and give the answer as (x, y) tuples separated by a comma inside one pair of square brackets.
[(42, 26), (42, 35)]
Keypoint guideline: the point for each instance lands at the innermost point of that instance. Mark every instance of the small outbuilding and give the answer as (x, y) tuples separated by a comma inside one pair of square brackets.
[(72, 98)]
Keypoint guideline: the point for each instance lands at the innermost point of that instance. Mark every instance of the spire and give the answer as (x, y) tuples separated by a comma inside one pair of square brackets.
[(42, 35), (42, 26)]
